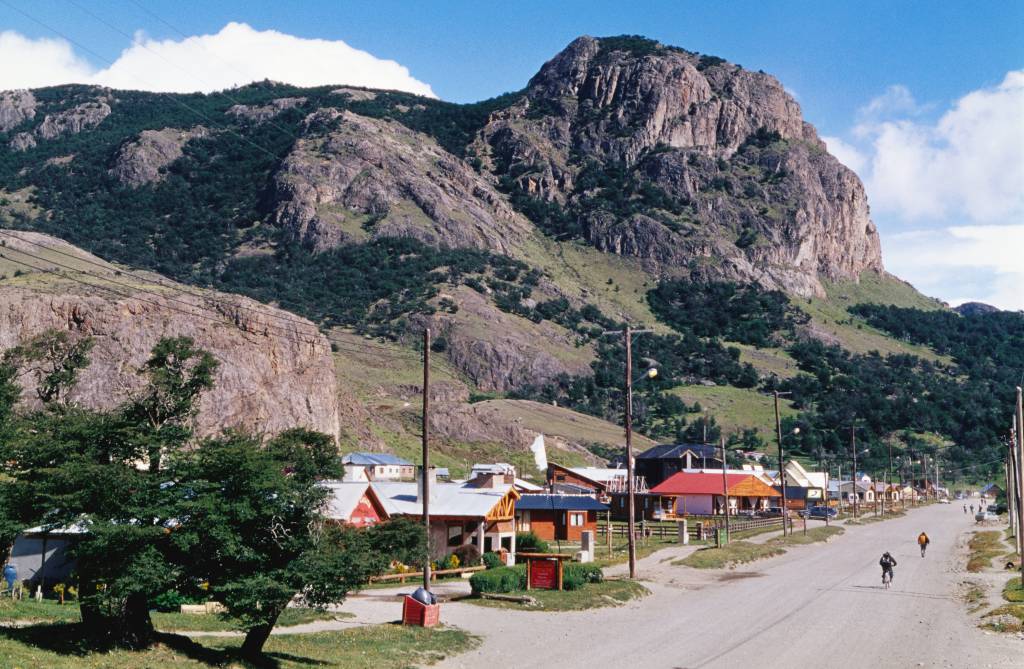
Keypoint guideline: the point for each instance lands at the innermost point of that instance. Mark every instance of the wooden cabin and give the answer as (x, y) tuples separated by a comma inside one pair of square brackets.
[(558, 517)]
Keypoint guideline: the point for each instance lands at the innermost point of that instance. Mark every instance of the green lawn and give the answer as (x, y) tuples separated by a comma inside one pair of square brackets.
[(50, 611), (611, 592), (59, 646)]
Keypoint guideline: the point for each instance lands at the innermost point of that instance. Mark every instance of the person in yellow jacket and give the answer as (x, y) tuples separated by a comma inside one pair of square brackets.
[(923, 541)]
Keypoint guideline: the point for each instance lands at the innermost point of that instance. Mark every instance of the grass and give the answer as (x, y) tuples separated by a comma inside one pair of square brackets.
[(1011, 618), (974, 596), (767, 361), (736, 408), (984, 547), (611, 592), (60, 646), (620, 551), (561, 422), (730, 555), (50, 611), (813, 536), (1013, 591), (830, 315)]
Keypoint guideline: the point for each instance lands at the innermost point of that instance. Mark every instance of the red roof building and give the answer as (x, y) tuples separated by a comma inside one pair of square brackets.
[(700, 493)]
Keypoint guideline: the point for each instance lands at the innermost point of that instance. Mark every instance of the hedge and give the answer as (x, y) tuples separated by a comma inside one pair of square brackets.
[(511, 579)]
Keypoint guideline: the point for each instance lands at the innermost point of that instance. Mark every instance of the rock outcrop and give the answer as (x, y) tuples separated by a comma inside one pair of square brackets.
[(499, 351), (23, 141), (276, 369), (16, 107), (752, 193), (74, 120), (262, 113), (350, 178), (142, 160)]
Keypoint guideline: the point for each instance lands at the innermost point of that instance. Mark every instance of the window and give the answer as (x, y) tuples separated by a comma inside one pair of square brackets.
[(576, 519), (454, 536), (524, 521)]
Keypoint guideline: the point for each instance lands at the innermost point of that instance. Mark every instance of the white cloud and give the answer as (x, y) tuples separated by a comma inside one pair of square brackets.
[(962, 263), (29, 63), (847, 154), (969, 164), (236, 55), (897, 99)]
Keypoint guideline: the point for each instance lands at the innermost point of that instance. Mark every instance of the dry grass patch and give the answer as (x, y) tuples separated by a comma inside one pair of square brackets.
[(813, 536), (985, 546), (730, 555)]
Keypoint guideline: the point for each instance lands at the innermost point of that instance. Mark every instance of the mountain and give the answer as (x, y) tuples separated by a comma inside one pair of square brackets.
[(629, 181), (975, 309)]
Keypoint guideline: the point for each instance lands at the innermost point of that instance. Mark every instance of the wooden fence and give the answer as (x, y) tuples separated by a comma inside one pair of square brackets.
[(419, 574), (698, 527)]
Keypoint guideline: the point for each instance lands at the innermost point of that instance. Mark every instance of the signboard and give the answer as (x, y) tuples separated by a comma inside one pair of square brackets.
[(544, 574), (814, 493)]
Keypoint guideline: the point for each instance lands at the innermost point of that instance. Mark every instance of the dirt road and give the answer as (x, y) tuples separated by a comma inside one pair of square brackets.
[(819, 605)]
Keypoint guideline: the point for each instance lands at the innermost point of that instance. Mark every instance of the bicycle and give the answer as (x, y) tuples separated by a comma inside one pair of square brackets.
[(886, 579)]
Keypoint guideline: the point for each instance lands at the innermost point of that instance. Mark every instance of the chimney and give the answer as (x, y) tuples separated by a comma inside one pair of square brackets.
[(432, 478)]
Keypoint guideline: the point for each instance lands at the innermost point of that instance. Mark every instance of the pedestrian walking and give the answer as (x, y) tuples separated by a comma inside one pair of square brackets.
[(965, 508)]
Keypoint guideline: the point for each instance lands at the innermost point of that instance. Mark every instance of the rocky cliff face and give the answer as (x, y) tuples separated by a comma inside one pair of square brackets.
[(351, 178), (142, 160), (263, 113), (73, 121), (752, 193), (276, 370), (16, 107)]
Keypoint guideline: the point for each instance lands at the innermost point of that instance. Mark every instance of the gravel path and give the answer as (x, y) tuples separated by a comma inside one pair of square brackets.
[(818, 605)]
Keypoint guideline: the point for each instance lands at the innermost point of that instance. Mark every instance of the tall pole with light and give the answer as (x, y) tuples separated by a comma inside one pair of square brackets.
[(782, 464)]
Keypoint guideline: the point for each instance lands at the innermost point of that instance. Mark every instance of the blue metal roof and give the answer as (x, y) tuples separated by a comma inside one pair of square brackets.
[(370, 459), (559, 503)]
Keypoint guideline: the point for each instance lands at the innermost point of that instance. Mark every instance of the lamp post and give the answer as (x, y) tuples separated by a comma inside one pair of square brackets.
[(782, 464)]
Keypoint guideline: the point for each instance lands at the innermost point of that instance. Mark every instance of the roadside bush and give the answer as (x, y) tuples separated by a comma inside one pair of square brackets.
[(468, 555), (499, 579), (581, 573), (493, 561), (528, 542)]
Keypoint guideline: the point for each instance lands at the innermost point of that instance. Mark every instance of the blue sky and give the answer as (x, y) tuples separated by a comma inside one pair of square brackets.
[(889, 85)]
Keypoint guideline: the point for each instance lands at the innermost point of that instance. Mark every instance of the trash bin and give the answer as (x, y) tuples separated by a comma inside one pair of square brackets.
[(415, 612)]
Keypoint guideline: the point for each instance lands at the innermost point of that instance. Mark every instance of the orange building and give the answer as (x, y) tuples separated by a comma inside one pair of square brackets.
[(558, 517)]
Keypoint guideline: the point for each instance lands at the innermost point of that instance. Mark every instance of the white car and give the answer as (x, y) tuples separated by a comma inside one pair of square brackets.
[(943, 501)]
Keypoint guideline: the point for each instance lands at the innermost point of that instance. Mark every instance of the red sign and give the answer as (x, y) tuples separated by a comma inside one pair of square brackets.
[(544, 574)]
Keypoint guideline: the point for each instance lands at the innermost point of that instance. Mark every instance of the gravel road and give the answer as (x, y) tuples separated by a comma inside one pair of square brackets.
[(819, 605)]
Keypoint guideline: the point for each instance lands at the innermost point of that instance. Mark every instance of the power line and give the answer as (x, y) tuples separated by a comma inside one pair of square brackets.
[(217, 317), (180, 289), (169, 97), (166, 60)]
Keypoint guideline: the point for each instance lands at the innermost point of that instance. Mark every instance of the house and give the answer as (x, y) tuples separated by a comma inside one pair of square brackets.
[(558, 517), (991, 491), (658, 463), (353, 503), (701, 493), (480, 512), (502, 469), (40, 554), (862, 491), (377, 467)]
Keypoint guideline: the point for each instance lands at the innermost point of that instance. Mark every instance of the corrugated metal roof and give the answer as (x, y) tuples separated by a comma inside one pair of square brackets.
[(446, 499), (370, 459), (559, 503), (689, 483), (599, 474), (343, 498)]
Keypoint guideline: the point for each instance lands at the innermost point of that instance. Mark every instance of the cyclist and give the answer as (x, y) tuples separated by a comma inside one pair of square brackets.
[(887, 563), (923, 541)]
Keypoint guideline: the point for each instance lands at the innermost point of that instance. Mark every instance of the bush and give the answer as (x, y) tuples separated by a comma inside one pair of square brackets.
[(575, 575), (499, 579), (171, 601), (528, 542), (468, 555), (493, 561)]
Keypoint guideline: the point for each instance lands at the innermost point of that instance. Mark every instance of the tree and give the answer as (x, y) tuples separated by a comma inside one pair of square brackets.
[(54, 358), (177, 373), (255, 512)]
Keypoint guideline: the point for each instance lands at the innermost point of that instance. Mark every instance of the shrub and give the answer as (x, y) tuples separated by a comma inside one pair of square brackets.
[(493, 561), (468, 555), (575, 575), (499, 579), (528, 542), (171, 601)]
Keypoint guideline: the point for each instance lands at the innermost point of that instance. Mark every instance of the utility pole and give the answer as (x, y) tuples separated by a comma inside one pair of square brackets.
[(888, 479), (853, 447), (630, 484), (630, 476), (1019, 424), (426, 454), (782, 464), (725, 492), (839, 487)]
